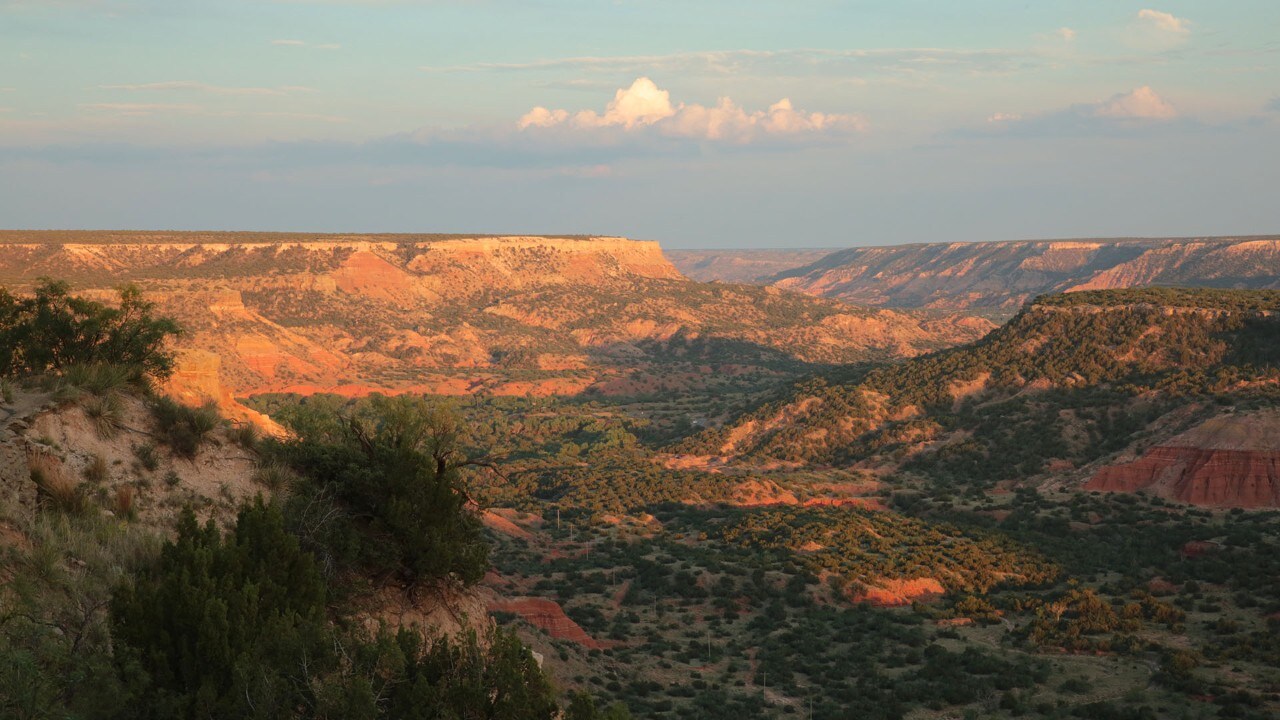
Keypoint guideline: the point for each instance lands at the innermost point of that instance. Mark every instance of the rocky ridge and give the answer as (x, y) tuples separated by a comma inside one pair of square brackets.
[(999, 277)]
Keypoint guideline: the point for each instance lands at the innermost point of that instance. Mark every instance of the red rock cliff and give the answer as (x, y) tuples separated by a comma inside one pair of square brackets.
[(1229, 461)]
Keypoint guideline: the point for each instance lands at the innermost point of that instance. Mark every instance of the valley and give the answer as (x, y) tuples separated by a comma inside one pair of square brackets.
[(694, 499)]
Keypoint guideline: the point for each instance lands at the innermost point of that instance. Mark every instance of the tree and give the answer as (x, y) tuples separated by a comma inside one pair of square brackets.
[(225, 627), (381, 490), (52, 329)]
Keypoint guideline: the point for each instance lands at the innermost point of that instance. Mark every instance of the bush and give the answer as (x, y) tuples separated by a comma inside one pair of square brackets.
[(106, 412), (52, 330), (146, 455), (246, 436), (123, 502), (96, 471), (98, 379), (182, 427), (221, 624), (390, 474)]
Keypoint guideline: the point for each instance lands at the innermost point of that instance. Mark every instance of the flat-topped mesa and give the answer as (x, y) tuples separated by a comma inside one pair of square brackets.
[(110, 258)]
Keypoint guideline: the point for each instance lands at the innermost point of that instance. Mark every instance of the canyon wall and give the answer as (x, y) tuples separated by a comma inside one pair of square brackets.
[(1228, 461), (1000, 277)]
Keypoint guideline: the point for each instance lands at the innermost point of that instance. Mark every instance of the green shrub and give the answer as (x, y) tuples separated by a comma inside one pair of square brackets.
[(52, 330), (182, 427), (146, 455), (106, 412)]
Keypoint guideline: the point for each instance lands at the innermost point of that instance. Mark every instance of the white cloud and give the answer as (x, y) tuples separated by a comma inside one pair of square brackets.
[(1065, 33), (1136, 111), (1141, 104), (305, 44), (797, 62), (192, 86), (142, 109), (646, 106), (1165, 21)]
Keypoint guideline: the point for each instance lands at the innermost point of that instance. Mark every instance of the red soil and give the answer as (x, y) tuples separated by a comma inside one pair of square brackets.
[(895, 593), (1228, 461), (548, 615)]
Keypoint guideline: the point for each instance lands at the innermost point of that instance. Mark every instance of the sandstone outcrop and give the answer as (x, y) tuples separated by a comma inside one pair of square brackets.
[(1228, 461), (549, 616)]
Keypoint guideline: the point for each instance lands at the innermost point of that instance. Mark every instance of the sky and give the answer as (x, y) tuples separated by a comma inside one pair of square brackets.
[(697, 123)]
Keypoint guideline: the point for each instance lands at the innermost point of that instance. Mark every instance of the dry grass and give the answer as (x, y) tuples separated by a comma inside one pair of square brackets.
[(56, 489), (97, 470), (123, 502)]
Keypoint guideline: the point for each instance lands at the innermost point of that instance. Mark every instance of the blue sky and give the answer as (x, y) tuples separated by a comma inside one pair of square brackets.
[(699, 123)]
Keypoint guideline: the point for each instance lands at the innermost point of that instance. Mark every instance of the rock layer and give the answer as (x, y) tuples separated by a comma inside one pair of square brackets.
[(1228, 461), (1004, 275)]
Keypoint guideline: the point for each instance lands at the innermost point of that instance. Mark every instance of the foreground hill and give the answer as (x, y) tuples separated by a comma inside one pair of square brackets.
[(1071, 380), (456, 315), (1001, 276)]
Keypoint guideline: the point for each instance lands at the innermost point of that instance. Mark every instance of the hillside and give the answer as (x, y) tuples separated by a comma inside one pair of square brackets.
[(460, 315), (999, 277), (741, 266), (1071, 380)]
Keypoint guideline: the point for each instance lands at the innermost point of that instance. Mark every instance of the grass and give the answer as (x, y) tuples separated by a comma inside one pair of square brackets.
[(57, 491), (183, 428), (274, 476), (147, 457), (97, 379), (123, 502), (97, 471), (106, 412), (6, 390), (246, 436)]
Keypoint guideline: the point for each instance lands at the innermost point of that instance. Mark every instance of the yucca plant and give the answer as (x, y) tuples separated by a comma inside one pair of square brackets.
[(106, 412)]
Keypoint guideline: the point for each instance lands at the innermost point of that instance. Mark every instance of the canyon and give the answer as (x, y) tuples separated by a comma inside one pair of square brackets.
[(996, 277), (456, 315)]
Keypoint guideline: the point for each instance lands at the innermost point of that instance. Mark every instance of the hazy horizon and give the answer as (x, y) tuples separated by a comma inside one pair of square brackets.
[(712, 125)]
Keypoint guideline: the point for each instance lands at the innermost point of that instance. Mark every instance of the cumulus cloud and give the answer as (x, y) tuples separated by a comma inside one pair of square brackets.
[(645, 106), (1138, 110), (1165, 21), (1141, 104)]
